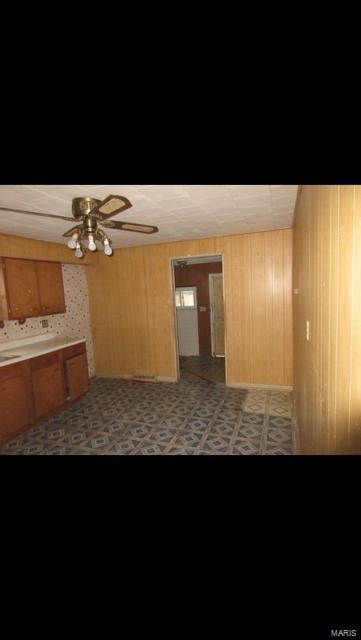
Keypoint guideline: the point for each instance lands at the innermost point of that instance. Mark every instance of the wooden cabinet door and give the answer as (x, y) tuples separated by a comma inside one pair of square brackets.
[(22, 288), (77, 377), (51, 288), (16, 403), (48, 389)]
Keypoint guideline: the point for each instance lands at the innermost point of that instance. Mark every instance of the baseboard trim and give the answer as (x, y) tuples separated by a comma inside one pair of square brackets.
[(122, 376), (128, 376), (235, 385), (252, 385)]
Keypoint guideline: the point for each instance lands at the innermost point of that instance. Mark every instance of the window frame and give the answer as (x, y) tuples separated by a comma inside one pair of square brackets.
[(183, 306)]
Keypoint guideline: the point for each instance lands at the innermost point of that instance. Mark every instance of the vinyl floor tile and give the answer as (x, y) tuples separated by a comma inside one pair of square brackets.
[(195, 416)]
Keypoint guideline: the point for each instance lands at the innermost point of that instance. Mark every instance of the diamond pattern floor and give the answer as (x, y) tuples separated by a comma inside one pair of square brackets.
[(193, 417)]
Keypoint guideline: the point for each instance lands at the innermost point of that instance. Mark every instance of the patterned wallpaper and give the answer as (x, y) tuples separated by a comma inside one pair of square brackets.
[(75, 323)]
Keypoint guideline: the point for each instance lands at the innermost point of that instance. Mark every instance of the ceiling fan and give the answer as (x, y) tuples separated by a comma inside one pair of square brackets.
[(91, 212)]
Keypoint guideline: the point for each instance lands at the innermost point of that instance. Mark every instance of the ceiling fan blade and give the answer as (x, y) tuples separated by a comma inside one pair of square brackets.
[(72, 230), (111, 206), (36, 213), (129, 226)]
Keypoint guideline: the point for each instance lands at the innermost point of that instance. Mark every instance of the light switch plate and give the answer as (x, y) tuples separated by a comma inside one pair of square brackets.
[(202, 308)]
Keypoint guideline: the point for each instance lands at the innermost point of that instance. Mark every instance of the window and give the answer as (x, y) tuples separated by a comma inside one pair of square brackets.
[(186, 297)]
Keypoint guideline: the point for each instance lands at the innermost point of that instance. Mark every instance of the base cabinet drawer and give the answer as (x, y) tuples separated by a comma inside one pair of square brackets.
[(74, 350)]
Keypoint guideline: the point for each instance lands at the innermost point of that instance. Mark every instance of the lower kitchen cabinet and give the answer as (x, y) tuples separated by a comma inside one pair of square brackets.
[(76, 373), (48, 384), (35, 389), (16, 399)]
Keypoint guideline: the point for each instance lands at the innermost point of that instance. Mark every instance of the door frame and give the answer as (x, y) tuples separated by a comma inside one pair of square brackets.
[(173, 306), (210, 286)]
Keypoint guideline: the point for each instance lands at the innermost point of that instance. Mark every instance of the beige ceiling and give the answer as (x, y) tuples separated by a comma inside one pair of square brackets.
[(180, 211)]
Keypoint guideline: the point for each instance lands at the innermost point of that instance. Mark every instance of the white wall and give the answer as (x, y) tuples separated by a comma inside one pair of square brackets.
[(75, 323)]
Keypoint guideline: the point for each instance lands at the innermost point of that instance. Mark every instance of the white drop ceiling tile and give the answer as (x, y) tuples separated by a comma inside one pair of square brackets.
[(184, 214), (9, 196), (252, 208), (180, 211), (256, 218), (283, 205), (283, 216), (145, 213), (39, 191), (142, 203), (109, 188), (248, 198), (284, 195), (227, 209), (283, 188), (247, 187), (249, 192), (286, 205), (203, 192), (174, 203), (161, 192), (65, 192), (282, 202), (55, 206), (221, 200)]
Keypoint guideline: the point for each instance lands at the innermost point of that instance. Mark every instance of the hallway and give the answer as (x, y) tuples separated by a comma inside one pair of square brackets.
[(204, 367)]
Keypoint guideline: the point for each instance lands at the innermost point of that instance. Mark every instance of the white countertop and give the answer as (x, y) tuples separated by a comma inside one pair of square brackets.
[(27, 348)]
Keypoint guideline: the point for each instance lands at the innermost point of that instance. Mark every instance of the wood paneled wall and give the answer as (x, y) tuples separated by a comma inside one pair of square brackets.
[(197, 275), (132, 310), (18, 247), (327, 274)]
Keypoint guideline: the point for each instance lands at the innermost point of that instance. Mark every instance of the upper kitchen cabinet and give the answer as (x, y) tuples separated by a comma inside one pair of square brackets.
[(51, 288), (30, 288), (21, 288)]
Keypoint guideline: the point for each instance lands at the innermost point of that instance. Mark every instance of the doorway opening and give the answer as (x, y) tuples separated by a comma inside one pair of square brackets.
[(198, 295)]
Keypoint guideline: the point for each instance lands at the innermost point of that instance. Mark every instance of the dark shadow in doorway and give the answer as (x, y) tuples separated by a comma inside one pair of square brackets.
[(204, 367)]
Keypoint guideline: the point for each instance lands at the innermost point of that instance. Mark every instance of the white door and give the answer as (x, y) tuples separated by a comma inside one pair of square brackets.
[(187, 321)]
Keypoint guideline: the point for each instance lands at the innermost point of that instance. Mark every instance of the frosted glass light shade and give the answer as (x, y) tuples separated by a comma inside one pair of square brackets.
[(107, 248), (92, 246), (78, 251), (73, 240)]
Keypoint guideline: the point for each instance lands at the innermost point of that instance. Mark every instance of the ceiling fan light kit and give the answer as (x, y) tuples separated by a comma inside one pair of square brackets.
[(91, 212)]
